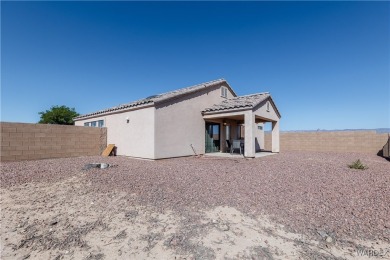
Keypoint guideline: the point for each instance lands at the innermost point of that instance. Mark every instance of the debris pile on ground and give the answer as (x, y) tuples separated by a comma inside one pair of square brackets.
[(96, 165)]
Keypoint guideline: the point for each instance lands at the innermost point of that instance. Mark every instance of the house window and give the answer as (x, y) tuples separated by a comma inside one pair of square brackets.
[(260, 127), (268, 106), (99, 123), (224, 92)]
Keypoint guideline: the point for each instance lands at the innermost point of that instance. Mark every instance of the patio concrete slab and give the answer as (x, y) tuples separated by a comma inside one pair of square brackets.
[(237, 156)]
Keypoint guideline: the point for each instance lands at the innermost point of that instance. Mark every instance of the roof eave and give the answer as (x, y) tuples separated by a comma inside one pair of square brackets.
[(216, 83), (88, 116), (221, 111)]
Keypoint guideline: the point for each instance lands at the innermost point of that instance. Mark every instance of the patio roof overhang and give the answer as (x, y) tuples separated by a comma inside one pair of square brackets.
[(238, 115)]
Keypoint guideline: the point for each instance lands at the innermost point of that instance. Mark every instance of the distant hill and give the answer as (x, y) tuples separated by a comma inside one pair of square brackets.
[(382, 130)]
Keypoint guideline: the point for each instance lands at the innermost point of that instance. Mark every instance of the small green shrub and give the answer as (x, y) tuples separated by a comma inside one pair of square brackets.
[(358, 165)]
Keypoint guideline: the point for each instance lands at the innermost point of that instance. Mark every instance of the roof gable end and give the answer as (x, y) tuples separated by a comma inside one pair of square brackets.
[(242, 103)]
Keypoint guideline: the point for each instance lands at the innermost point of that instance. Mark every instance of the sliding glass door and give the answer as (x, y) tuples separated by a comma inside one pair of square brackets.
[(213, 138)]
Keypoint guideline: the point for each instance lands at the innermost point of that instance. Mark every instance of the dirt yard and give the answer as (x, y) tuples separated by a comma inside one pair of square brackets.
[(293, 205)]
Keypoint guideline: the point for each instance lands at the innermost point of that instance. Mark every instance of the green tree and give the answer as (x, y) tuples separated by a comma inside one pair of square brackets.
[(60, 115)]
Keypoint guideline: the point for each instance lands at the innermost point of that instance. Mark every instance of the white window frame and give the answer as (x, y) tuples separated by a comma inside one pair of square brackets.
[(224, 92), (95, 123)]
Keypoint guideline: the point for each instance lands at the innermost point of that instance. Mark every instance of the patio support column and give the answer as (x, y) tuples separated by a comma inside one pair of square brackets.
[(249, 121), (275, 137), (222, 138)]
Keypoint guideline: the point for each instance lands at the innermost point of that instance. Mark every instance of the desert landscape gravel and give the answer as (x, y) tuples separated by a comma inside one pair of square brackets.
[(294, 205)]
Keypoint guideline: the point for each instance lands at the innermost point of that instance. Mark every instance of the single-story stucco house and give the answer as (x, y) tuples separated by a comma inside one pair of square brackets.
[(193, 120)]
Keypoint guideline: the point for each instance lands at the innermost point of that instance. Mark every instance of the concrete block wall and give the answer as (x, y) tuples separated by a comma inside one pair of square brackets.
[(335, 141), (22, 141), (386, 149)]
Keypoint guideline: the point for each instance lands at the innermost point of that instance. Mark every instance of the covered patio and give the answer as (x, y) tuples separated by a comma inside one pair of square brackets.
[(241, 118)]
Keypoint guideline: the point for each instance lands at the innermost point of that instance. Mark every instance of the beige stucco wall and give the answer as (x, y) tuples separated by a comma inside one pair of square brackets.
[(179, 123), (259, 138), (135, 138)]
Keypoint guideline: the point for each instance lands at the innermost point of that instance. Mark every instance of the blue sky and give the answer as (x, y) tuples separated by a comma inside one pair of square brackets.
[(326, 64)]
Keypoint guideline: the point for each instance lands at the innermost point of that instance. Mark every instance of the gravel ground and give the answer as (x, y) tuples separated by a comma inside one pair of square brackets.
[(306, 192)]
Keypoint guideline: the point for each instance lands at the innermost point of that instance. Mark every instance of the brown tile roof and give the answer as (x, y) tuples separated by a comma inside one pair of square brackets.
[(157, 98), (240, 102)]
